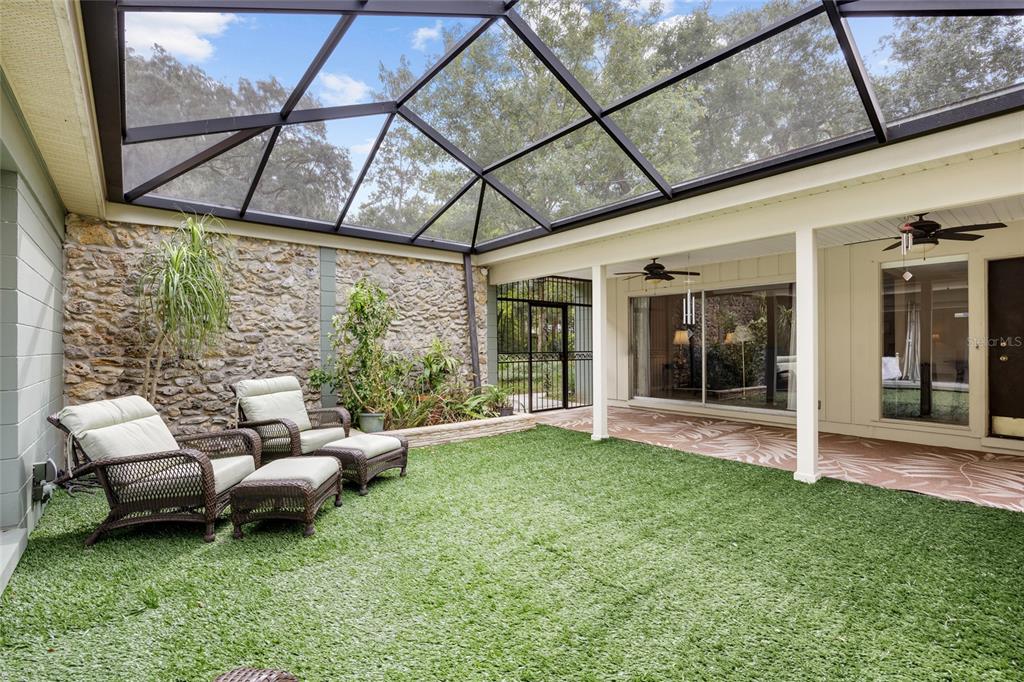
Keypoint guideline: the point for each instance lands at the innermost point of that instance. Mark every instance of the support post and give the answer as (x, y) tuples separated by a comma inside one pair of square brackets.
[(806, 355), (474, 342), (599, 292)]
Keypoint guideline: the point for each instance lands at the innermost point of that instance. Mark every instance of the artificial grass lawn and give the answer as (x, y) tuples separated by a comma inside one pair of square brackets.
[(538, 556)]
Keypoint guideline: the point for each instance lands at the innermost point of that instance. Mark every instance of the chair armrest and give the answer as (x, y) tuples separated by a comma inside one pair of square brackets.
[(110, 471), (269, 429), (326, 417), (230, 443)]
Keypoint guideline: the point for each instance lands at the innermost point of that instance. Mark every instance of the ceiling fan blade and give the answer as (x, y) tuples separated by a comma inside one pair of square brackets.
[(869, 241), (959, 236), (892, 246), (630, 273), (633, 277), (682, 272), (970, 228)]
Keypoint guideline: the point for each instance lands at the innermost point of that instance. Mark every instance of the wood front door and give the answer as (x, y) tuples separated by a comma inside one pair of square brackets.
[(1006, 347)]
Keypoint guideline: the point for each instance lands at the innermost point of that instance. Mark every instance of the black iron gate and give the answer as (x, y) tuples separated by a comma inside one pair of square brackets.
[(545, 354)]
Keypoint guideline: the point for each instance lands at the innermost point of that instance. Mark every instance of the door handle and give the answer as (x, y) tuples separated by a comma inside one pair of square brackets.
[(1003, 358)]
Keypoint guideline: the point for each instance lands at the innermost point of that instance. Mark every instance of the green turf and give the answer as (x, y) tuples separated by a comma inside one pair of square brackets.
[(539, 556)]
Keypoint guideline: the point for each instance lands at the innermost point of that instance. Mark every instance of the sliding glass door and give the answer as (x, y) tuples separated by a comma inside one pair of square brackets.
[(667, 355), (740, 350)]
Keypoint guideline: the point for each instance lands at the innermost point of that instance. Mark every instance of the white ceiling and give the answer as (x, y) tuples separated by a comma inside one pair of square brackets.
[(675, 258)]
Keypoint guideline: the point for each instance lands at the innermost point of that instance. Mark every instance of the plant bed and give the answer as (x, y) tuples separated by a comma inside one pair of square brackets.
[(439, 434)]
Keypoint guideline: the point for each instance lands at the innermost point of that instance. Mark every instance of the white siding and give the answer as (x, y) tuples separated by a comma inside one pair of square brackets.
[(31, 323)]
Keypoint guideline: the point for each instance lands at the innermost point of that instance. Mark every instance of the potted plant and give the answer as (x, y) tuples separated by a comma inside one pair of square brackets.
[(363, 373), (182, 297), (497, 399)]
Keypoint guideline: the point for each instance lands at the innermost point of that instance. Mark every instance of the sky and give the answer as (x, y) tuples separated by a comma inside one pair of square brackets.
[(260, 45)]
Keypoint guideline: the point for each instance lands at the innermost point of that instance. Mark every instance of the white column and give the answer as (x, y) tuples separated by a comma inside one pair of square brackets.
[(806, 355), (599, 315)]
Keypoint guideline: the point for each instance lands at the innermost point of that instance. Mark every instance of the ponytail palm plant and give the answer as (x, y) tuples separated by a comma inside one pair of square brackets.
[(182, 297)]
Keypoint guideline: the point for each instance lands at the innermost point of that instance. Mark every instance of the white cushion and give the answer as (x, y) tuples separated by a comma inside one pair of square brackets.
[(121, 427), (314, 439), (274, 398), (181, 479), (370, 444), (313, 470), (230, 471)]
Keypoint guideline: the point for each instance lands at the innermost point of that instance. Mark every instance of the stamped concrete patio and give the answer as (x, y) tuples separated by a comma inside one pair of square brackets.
[(983, 478)]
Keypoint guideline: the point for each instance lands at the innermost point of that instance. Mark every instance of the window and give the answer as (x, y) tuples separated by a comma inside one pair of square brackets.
[(925, 342), (666, 353), (740, 350), (751, 347)]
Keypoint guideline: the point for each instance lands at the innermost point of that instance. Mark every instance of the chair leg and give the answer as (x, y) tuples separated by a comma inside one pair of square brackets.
[(96, 535), (99, 532), (362, 488), (209, 536), (309, 530), (237, 533), (337, 496)]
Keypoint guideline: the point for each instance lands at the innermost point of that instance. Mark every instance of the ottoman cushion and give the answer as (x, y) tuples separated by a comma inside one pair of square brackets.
[(370, 444), (313, 470), (314, 439)]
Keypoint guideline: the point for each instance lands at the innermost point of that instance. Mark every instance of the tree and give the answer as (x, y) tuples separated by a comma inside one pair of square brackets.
[(938, 61), (306, 176), (183, 297), (788, 92)]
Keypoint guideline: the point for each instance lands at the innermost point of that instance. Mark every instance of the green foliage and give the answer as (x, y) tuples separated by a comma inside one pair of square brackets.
[(537, 556), (496, 397), (408, 391), (363, 374), (307, 175), (788, 92), (183, 296)]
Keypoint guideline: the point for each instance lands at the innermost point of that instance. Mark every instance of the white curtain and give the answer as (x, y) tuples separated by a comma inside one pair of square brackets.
[(912, 346), (641, 346)]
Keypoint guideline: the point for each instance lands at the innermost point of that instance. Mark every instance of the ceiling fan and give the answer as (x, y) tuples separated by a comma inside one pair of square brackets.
[(656, 271), (924, 231)]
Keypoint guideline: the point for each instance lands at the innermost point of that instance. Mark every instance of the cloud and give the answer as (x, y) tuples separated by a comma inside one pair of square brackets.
[(364, 148), (183, 34), (339, 89), (424, 35), (647, 6)]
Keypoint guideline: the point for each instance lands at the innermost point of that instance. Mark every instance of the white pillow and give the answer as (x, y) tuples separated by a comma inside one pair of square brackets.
[(275, 398), (121, 427)]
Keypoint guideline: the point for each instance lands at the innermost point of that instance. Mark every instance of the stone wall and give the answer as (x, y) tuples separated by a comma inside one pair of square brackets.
[(275, 321), (430, 297), (274, 326)]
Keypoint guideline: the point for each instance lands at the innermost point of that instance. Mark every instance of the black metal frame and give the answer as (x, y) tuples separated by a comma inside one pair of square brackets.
[(104, 30), (557, 293)]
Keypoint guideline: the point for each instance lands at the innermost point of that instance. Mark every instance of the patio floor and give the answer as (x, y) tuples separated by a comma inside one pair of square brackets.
[(983, 478)]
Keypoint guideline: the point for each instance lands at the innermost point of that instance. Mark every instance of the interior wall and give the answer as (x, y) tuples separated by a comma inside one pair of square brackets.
[(31, 220)]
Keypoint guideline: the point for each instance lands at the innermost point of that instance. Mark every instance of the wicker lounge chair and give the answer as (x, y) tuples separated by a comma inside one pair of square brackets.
[(149, 475), (275, 409)]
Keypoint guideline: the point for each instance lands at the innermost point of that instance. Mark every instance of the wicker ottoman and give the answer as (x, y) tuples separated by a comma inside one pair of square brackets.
[(256, 675), (365, 455), (290, 488)]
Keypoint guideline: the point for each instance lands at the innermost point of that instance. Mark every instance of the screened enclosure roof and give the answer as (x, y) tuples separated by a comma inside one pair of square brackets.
[(472, 124)]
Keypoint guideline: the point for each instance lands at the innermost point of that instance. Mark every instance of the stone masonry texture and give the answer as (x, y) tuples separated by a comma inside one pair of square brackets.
[(275, 317)]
